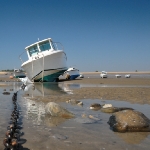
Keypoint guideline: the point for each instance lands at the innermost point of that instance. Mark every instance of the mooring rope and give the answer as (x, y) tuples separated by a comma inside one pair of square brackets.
[(12, 139)]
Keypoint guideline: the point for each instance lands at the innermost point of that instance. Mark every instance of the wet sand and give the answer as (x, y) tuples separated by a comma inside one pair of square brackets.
[(45, 132), (131, 90)]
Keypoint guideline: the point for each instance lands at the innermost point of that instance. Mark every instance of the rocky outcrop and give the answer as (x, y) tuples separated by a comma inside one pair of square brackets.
[(56, 110), (129, 120)]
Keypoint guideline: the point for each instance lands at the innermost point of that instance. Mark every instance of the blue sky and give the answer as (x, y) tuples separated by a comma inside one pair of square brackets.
[(110, 35)]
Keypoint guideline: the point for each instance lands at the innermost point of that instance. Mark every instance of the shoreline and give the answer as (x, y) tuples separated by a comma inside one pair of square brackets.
[(88, 72), (119, 72)]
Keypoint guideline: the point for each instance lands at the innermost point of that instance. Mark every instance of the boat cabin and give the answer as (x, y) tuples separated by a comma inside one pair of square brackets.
[(40, 46), (18, 70)]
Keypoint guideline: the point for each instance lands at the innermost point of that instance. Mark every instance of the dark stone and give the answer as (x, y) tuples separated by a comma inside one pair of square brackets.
[(6, 93), (129, 120)]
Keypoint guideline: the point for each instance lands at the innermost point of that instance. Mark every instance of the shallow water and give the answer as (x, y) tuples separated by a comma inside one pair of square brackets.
[(45, 132)]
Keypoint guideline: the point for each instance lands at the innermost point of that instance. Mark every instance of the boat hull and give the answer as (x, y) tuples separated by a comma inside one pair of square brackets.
[(72, 77), (19, 75), (46, 68), (73, 74)]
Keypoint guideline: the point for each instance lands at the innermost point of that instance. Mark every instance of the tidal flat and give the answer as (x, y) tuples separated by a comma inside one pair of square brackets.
[(82, 132)]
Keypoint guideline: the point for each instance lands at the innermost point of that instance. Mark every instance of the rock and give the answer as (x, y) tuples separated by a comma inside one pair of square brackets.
[(107, 105), (92, 117), (57, 111), (129, 120), (114, 109), (6, 93), (73, 101), (80, 103), (95, 106)]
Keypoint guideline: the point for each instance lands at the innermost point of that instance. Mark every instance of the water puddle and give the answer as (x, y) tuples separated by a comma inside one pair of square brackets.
[(76, 86)]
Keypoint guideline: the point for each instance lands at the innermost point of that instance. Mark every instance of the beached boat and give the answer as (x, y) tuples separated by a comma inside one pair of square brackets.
[(18, 73), (45, 62), (71, 73)]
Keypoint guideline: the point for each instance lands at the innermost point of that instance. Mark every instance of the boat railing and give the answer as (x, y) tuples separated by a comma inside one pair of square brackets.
[(57, 46), (21, 55)]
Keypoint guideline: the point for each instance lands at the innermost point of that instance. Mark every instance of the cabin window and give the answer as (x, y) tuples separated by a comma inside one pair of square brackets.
[(33, 50), (44, 46)]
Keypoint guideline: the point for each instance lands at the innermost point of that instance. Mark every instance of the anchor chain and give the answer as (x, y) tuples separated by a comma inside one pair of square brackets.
[(13, 133)]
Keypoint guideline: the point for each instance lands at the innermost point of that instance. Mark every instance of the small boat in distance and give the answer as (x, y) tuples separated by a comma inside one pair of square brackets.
[(103, 74), (127, 76), (45, 61), (18, 73), (71, 73), (118, 76)]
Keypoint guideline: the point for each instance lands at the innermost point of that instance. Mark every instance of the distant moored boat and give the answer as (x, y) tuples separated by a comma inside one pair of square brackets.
[(18, 73), (71, 73)]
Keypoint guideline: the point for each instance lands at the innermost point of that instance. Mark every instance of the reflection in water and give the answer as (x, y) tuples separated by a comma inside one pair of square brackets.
[(133, 137), (53, 121), (65, 87), (43, 89), (35, 111)]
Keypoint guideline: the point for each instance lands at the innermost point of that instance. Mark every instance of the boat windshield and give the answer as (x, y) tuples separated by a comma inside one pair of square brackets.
[(53, 45), (33, 50), (44, 46)]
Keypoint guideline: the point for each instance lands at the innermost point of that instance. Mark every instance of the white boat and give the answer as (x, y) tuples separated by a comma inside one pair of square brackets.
[(45, 62), (103, 74), (18, 73), (127, 76), (71, 73), (118, 76), (81, 76)]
